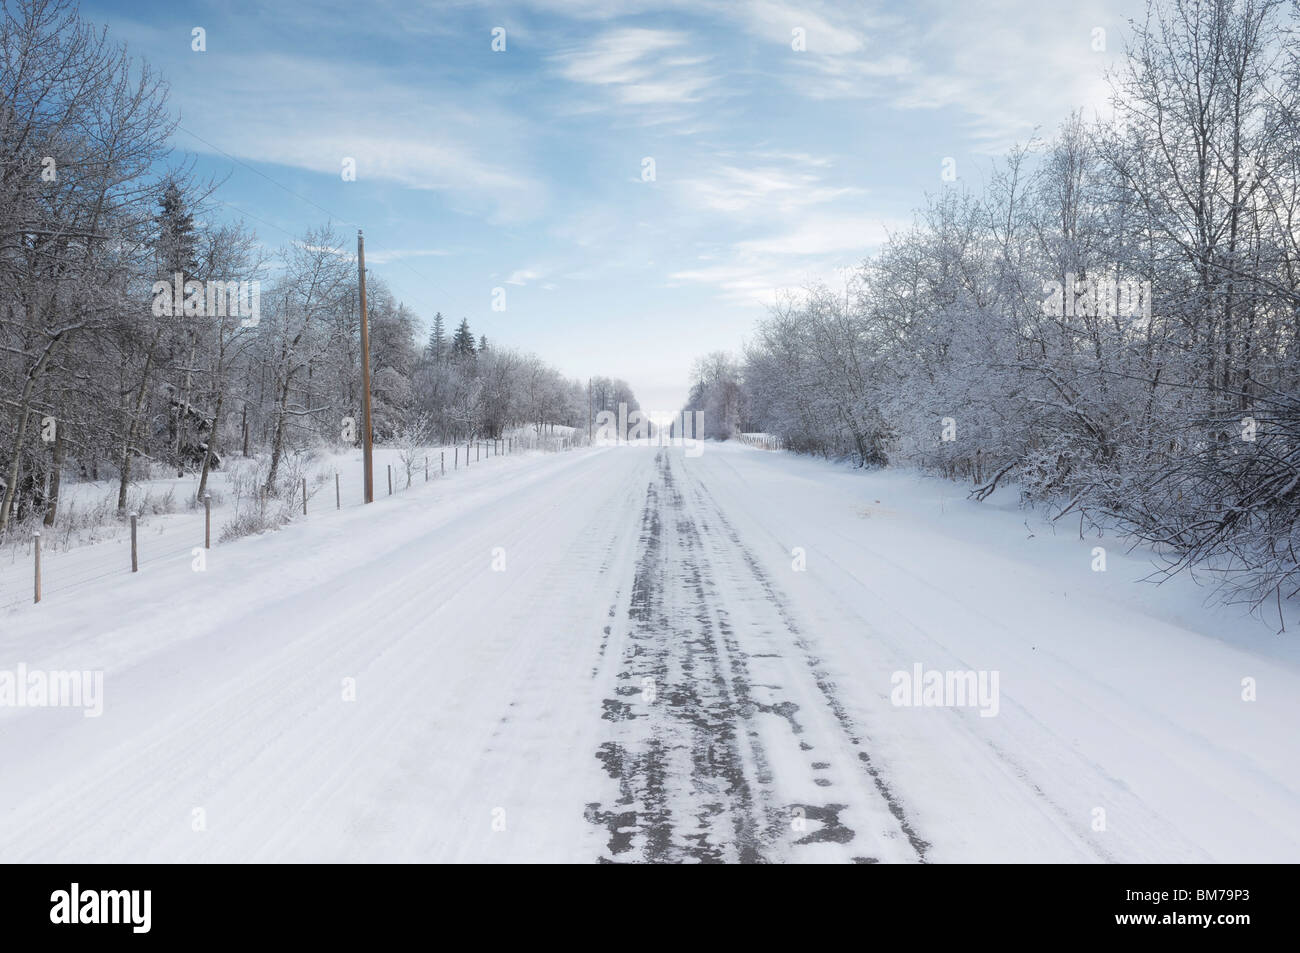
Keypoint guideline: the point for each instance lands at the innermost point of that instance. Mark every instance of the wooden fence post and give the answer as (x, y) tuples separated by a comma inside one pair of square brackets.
[(338, 497), (390, 479), (207, 520), (37, 539), (442, 462), (135, 563), (304, 496)]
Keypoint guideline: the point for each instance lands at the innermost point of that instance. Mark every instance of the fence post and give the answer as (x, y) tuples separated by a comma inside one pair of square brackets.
[(478, 451), (455, 463), (37, 538), (135, 564), (304, 496), (338, 497), (390, 479), (426, 468), (442, 462), (207, 520)]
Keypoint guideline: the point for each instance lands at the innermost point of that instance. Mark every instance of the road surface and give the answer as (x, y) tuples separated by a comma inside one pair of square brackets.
[(635, 655)]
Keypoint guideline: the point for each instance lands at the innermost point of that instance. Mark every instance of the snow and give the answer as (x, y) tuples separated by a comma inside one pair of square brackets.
[(84, 548), (648, 677)]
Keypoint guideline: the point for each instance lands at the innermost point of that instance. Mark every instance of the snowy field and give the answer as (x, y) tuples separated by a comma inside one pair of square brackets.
[(627, 654)]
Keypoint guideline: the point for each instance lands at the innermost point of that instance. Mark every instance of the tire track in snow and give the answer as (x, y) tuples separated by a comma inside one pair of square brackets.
[(695, 779), (691, 767), (823, 681)]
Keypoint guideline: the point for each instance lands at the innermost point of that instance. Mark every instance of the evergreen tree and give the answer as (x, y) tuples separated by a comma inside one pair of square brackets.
[(462, 342), (482, 344), (437, 346), (177, 242)]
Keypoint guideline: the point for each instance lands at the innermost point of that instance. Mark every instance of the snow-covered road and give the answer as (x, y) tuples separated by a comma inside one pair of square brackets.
[(630, 654)]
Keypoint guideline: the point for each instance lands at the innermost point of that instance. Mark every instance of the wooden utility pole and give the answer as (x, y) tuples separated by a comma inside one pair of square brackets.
[(366, 448)]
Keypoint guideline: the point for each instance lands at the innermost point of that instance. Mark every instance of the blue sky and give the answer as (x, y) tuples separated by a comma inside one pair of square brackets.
[(523, 169)]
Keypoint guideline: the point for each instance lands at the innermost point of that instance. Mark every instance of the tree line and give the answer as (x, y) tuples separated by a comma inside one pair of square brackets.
[(1112, 322), (104, 377)]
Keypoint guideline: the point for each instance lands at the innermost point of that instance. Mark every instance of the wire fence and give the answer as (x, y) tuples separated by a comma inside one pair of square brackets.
[(763, 441), (419, 464)]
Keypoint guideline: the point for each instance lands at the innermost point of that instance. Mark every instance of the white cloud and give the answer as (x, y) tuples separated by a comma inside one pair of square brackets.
[(523, 275), (827, 235), (618, 56), (775, 20), (759, 271), (634, 63), (384, 256), (761, 189), (306, 113), (1010, 65)]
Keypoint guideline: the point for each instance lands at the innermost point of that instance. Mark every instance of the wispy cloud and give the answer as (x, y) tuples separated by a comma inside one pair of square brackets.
[(632, 63), (762, 189), (306, 112), (523, 276), (384, 256), (760, 271), (1009, 65), (825, 235)]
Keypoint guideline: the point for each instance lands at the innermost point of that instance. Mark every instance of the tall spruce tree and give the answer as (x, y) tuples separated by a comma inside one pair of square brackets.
[(176, 239), (462, 342), (436, 350)]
